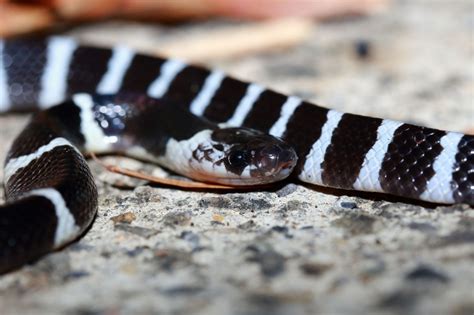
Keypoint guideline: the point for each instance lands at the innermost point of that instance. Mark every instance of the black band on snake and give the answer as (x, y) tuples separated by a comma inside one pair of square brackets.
[(196, 122)]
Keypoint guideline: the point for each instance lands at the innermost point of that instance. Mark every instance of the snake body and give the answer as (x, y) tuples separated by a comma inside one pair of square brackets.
[(117, 100)]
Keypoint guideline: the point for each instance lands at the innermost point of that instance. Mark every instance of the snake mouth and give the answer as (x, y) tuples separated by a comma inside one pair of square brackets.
[(242, 182)]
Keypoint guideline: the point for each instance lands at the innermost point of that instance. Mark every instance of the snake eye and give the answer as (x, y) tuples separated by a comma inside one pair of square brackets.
[(238, 159)]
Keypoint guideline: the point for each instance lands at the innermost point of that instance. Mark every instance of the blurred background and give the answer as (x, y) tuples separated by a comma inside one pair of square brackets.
[(22, 16), (373, 57)]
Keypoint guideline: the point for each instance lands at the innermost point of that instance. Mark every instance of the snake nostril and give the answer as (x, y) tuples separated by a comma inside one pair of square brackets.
[(288, 159), (287, 156)]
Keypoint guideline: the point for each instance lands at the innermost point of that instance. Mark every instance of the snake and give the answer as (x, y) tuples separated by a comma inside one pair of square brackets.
[(196, 122)]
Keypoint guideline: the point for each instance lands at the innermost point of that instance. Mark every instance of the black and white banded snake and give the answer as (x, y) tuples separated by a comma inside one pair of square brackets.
[(135, 106)]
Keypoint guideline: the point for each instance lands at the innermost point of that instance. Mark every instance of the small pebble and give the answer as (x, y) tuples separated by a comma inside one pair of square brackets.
[(363, 49), (217, 218), (423, 272), (136, 251), (271, 262), (287, 190), (177, 218), (192, 238), (127, 217), (250, 224), (283, 230), (314, 269), (348, 205), (280, 229), (76, 275)]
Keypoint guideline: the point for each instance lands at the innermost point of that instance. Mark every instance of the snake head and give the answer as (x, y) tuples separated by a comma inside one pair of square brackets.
[(241, 156)]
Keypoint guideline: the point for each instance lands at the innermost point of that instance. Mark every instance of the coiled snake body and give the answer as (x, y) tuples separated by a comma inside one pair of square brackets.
[(116, 100)]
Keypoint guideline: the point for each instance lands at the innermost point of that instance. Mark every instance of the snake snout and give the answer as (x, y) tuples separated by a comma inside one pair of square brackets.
[(276, 159)]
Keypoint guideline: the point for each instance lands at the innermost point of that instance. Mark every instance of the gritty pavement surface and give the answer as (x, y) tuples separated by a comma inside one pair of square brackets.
[(292, 249)]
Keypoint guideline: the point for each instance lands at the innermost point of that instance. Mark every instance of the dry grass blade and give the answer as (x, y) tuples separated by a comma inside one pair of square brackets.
[(240, 40), (160, 180)]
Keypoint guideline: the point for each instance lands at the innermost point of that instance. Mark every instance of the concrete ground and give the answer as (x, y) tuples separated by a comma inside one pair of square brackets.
[(293, 249)]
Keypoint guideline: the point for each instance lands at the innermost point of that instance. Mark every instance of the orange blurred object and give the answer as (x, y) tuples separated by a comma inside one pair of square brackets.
[(18, 19), (186, 9), (22, 16), (318, 9)]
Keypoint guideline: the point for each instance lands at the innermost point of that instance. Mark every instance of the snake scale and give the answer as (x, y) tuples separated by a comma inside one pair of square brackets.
[(197, 122)]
